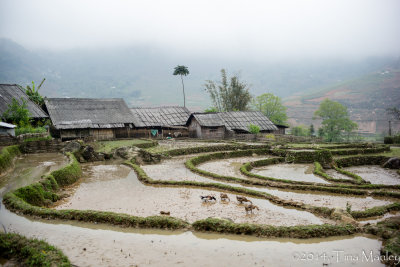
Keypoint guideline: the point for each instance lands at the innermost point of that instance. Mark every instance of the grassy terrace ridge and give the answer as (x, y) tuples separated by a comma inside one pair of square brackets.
[(7, 156), (31, 252), (108, 146)]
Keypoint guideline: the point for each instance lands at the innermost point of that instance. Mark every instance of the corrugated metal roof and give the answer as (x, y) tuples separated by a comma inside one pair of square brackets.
[(235, 120), (10, 91), (78, 113), (7, 125), (161, 116)]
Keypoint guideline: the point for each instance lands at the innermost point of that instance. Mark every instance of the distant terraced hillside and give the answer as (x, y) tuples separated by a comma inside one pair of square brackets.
[(366, 98)]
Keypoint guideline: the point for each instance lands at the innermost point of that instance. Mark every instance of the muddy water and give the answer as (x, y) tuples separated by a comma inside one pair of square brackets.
[(229, 167), (373, 220), (335, 174), (376, 174), (174, 169), (125, 194), (294, 172), (100, 245), (29, 168)]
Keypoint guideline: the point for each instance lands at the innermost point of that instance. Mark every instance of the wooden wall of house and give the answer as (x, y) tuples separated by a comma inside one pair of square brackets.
[(198, 131), (162, 133), (97, 134), (281, 130)]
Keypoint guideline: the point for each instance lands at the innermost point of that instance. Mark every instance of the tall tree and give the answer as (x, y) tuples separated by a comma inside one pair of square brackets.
[(228, 96), (335, 120), (182, 71), (272, 107), (33, 93)]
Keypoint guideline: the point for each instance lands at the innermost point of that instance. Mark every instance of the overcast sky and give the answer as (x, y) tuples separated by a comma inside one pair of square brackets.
[(251, 29)]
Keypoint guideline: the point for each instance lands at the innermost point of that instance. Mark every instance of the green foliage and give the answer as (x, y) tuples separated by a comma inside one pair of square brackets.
[(272, 107), (182, 71), (7, 155), (33, 93), (211, 110), (300, 130), (29, 129), (31, 252), (17, 113), (232, 96), (335, 120), (254, 129)]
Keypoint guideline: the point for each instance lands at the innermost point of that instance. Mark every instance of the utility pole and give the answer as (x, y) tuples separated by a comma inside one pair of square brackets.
[(390, 128)]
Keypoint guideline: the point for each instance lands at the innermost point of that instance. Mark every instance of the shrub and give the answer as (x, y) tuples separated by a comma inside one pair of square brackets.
[(29, 129), (254, 129)]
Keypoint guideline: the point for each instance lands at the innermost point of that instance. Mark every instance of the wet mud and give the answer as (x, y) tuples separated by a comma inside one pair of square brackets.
[(294, 172), (376, 175), (126, 194)]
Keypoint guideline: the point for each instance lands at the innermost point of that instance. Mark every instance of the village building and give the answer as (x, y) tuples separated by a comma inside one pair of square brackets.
[(281, 129), (90, 118), (227, 124), (161, 122), (8, 92)]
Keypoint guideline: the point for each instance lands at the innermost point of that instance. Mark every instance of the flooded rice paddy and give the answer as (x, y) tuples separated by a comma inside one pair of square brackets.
[(295, 172), (130, 196), (376, 174), (88, 244), (174, 169), (30, 168), (110, 186)]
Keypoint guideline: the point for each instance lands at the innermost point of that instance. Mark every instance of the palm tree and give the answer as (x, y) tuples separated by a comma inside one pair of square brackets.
[(182, 70)]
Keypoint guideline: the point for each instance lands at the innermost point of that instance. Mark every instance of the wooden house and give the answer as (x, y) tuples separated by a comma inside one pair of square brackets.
[(281, 129), (95, 118), (8, 92), (160, 121), (227, 124)]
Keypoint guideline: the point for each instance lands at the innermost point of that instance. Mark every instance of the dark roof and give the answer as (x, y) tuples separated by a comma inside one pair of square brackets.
[(160, 116), (10, 91), (281, 126), (235, 120), (78, 113), (240, 120), (208, 119)]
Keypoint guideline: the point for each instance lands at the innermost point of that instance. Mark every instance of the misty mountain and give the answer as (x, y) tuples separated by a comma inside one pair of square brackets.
[(143, 75), (366, 97)]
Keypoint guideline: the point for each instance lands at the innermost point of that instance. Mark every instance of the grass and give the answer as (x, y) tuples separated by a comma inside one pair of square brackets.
[(7, 155), (31, 252), (29, 129), (108, 146), (302, 231), (31, 139)]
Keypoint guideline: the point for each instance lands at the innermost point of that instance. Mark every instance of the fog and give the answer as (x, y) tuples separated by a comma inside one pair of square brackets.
[(251, 30)]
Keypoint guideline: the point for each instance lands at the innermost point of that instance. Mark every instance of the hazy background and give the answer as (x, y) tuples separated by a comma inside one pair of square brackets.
[(128, 49)]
